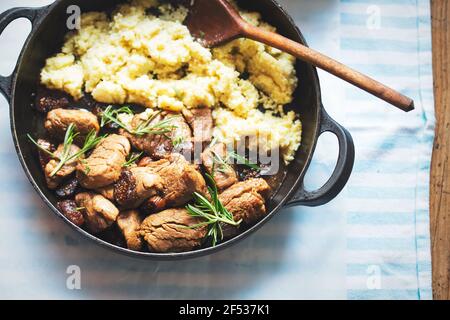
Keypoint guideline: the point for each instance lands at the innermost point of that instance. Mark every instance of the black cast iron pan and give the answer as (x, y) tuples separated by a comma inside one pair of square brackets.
[(46, 38)]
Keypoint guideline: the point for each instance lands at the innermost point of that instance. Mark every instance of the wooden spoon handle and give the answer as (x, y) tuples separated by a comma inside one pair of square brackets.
[(332, 66)]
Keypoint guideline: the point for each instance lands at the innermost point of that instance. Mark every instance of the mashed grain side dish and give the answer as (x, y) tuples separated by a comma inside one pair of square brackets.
[(271, 131), (141, 57)]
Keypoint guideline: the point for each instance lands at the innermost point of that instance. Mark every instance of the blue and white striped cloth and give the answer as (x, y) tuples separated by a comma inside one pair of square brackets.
[(372, 242)]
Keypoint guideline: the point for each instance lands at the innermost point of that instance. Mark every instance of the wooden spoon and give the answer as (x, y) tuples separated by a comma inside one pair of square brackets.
[(216, 22)]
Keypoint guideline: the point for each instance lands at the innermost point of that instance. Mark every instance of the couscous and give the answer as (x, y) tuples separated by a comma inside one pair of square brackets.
[(135, 56)]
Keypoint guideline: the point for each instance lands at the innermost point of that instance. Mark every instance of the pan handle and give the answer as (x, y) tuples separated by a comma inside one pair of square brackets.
[(341, 173), (32, 14)]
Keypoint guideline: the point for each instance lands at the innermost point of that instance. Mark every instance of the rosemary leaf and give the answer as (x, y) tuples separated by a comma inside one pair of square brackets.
[(111, 115), (132, 160), (177, 141), (161, 128), (242, 160), (220, 164), (65, 157), (213, 212), (40, 147)]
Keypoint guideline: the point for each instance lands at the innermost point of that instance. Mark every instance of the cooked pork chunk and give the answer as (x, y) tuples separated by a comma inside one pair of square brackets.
[(159, 146), (155, 204), (107, 192), (99, 213), (58, 120), (136, 185), (129, 223), (224, 174), (246, 200), (201, 123), (54, 181), (179, 180), (104, 165), (168, 231)]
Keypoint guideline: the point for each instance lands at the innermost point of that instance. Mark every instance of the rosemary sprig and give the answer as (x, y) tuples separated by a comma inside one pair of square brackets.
[(51, 154), (213, 212), (213, 142), (177, 141), (110, 116), (224, 166), (132, 160), (219, 164), (90, 142), (87, 169), (65, 154), (163, 127), (242, 160)]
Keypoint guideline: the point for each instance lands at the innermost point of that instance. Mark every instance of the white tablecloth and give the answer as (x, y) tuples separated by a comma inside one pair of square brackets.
[(370, 242)]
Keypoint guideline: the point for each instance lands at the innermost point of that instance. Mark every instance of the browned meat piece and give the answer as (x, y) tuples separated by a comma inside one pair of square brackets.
[(159, 146), (54, 181), (104, 165), (129, 223), (107, 192), (68, 189), (201, 123), (145, 162), (99, 213), (224, 174), (58, 120), (47, 100), (168, 231), (69, 209), (179, 179), (179, 140), (155, 204), (250, 207), (44, 157), (136, 185), (246, 200)]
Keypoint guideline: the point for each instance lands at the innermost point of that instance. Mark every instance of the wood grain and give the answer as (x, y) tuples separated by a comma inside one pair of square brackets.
[(440, 171)]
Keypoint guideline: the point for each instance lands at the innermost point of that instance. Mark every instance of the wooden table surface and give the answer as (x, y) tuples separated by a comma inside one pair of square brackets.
[(440, 171)]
